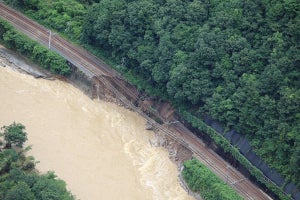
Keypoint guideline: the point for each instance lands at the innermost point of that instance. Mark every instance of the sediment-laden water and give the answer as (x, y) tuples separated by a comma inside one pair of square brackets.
[(100, 149)]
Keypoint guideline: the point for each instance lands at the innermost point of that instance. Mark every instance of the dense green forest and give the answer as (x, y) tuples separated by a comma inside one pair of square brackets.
[(206, 182), (19, 180), (237, 61)]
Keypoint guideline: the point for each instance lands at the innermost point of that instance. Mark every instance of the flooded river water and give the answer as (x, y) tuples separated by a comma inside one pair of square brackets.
[(100, 149)]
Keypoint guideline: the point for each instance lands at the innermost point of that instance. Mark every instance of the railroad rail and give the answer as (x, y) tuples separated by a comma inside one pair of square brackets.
[(97, 69)]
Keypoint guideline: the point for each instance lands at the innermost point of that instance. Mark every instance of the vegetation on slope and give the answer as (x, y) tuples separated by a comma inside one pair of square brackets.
[(234, 152), (237, 61), (200, 179), (17, 41), (18, 177), (64, 16)]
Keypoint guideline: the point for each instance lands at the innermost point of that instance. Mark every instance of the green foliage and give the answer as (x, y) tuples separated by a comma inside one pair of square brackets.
[(14, 134), (233, 60), (227, 147), (20, 191), (20, 181), (29, 48), (237, 61), (65, 16), (48, 187), (201, 179)]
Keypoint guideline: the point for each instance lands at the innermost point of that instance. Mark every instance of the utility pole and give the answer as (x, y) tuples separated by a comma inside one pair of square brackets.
[(174, 122), (235, 182), (50, 38), (227, 173), (50, 34)]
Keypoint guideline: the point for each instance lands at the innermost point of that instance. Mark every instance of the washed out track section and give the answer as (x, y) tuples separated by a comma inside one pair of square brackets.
[(97, 70)]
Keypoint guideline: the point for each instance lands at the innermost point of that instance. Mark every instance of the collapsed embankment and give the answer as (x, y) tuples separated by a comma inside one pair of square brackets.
[(94, 88), (94, 137), (162, 113)]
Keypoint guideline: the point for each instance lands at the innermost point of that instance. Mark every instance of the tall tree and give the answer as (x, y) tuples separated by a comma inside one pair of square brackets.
[(14, 134)]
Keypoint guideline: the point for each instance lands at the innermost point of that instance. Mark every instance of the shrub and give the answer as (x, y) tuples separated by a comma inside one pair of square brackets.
[(200, 179), (37, 53)]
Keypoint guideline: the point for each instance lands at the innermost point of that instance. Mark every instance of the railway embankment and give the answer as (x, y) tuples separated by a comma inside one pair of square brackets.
[(99, 81)]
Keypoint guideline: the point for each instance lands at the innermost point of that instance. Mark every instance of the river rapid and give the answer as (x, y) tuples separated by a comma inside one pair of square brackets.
[(101, 150)]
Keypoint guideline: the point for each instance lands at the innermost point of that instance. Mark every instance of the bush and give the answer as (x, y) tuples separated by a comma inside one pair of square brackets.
[(14, 134), (37, 53), (19, 180), (227, 147), (201, 179)]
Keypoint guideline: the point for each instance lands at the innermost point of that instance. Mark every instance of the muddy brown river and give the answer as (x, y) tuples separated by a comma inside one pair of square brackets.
[(101, 150)]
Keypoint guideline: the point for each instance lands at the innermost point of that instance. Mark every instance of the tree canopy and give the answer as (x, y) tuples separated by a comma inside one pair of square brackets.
[(201, 179), (234, 60), (14, 134), (237, 61), (19, 180)]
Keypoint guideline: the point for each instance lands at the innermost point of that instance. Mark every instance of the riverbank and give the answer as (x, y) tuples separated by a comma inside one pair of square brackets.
[(159, 175), (12, 59)]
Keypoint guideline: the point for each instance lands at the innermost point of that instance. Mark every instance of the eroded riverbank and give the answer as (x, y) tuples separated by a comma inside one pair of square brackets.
[(101, 150)]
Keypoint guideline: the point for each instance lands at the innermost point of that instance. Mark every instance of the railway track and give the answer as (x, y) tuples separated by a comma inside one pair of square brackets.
[(95, 68)]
